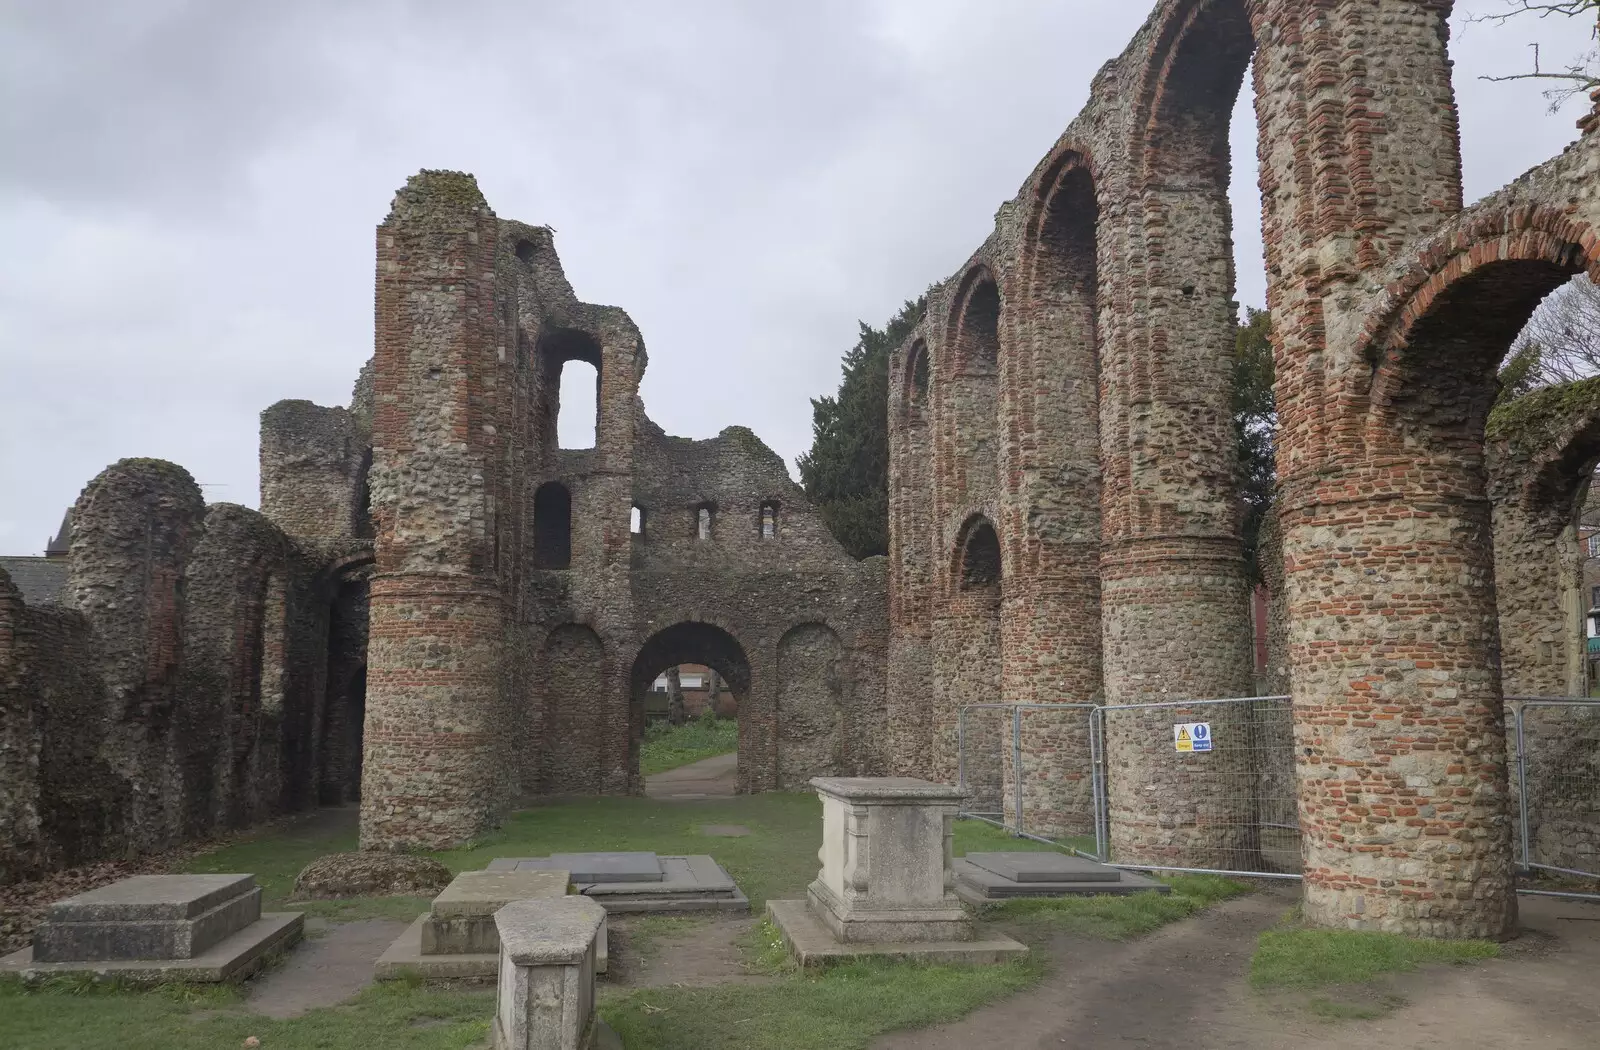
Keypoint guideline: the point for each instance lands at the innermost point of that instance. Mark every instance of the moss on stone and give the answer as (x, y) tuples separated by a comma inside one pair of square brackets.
[(1535, 419)]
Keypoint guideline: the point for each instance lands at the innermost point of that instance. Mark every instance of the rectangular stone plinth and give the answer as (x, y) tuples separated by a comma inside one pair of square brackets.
[(546, 996), (813, 944), (687, 884), (148, 917), (461, 921), (610, 867), (232, 959), (886, 861), (978, 886), (1044, 867)]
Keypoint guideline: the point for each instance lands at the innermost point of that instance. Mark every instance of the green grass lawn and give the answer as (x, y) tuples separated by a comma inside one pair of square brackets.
[(1118, 918), (1305, 958), (839, 1008), (668, 747), (1339, 975)]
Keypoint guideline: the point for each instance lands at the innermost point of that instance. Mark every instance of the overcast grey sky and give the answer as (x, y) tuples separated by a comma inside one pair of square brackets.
[(188, 191)]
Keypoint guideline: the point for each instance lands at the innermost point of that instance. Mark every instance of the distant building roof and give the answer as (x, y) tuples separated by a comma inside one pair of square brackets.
[(42, 581), (58, 547)]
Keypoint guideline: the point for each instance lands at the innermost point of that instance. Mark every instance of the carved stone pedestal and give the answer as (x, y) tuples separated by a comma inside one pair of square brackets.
[(887, 885)]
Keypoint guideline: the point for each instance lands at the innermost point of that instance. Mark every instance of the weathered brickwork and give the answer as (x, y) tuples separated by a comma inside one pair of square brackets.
[(178, 691), (1541, 454), (1391, 307), (517, 618)]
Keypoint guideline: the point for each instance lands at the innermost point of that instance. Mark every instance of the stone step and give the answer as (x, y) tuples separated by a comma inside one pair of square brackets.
[(148, 917)]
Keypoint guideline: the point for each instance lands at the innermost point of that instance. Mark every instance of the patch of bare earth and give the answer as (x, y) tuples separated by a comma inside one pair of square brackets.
[(1187, 986), (704, 953)]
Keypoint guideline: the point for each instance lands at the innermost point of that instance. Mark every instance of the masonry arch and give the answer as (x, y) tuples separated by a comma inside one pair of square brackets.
[(558, 348), (969, 393), (967, 667), (1436, 339), (977, 560), (690, 642)]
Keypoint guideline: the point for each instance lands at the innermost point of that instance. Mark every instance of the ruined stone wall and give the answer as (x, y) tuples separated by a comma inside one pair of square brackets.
[(513, 611), (176, 693), (1541, 452), (314, 464), (1390, 309)]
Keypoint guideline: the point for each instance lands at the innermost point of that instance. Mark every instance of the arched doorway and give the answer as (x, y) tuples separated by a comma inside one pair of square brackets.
[(689, 642)]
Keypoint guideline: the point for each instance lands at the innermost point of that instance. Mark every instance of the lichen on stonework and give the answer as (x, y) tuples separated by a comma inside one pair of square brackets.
[(1530, 422)]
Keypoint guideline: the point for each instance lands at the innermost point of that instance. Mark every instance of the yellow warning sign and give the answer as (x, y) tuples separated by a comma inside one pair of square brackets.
[(1191, 737)]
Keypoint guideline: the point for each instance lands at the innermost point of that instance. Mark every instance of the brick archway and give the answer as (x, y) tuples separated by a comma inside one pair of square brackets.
[(1536, 248)]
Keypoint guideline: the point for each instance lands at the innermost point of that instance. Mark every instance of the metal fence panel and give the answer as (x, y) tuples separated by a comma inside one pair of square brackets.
[(1557, 792), (1200, 785), (1029, 768), (983, 732)]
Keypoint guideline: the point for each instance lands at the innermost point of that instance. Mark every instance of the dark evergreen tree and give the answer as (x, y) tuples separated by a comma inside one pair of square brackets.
[(846, 473), (1255, 421)]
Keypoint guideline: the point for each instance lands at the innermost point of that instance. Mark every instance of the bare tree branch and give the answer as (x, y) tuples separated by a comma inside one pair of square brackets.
[(1579, 77)]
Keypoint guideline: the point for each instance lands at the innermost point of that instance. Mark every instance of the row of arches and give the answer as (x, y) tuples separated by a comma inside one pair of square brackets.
[(794, 703), (1070, 391)]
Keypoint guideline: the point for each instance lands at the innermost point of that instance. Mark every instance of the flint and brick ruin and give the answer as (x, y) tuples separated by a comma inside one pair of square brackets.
[(442, 609)]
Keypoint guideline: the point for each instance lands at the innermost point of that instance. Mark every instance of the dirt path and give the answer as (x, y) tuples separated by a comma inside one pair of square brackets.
[(1186, 987), (708, 778), (332, 964), (1143, 993)]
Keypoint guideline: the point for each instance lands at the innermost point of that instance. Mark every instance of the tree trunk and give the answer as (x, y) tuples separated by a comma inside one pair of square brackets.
[(675, 713)]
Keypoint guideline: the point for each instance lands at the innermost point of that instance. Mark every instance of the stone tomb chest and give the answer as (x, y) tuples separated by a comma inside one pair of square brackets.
[(457, 938), (159, 928), (886, 886)]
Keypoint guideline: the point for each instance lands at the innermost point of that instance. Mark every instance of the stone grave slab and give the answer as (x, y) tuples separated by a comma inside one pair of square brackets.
[(1044, 867), (461, 920), (457, 939), (687, 883), (153, 928), (978, 886), (609, 867)]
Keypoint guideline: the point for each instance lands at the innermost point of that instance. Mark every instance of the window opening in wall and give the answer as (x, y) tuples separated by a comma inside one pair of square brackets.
[(702, 522), (769, 521), (578, 412), (919, 373), (980, 563), (636, 520), (552, 527)]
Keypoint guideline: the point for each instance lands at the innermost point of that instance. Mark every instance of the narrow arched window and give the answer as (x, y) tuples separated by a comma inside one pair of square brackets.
[(769, 521), (636, 521), (702, 522)]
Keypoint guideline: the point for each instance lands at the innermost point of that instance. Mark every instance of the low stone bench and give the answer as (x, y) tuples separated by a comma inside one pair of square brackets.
[(546, 996)]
